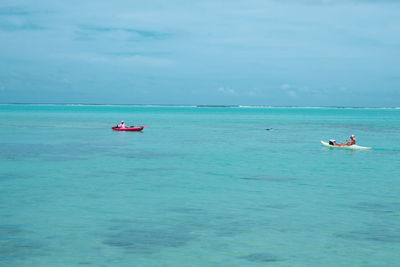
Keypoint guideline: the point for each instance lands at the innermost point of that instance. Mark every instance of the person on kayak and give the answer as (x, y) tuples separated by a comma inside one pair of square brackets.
[(122, 125), (334, 143), (352, 142), (348, 143)]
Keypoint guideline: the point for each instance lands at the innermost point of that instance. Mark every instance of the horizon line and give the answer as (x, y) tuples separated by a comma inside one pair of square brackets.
[(199, 105)]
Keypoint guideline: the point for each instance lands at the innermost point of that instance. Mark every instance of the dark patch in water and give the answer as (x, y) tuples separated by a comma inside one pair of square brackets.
[(268, 208), (229, 232), (186, 210), (149, 155), (148, 240), (147, 170), (133, 172), (110, 173), (64, 158), (373, 235), (229, 229), (121, 221), (228, 226), (11, 176), (377, 207), (49, 152), (13, 248), (144, 172), (7, 230), (269, 178), (260, 257)]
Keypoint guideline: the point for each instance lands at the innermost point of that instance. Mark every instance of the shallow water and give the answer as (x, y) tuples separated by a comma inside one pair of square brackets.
[(198, 187)]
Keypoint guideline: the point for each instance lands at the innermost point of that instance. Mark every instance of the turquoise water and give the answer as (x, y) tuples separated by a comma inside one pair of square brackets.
[(198, 187)]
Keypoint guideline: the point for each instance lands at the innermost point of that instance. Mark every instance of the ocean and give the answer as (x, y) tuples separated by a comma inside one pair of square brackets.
[(200, 186)]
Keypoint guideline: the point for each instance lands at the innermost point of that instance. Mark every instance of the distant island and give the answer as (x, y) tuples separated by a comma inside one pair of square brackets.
[(217, 106)]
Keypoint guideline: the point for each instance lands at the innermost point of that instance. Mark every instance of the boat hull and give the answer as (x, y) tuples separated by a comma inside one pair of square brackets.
[(347, 147), (129, 129)]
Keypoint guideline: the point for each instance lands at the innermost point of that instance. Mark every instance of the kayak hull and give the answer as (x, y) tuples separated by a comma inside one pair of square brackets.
[(129, 129), (347, 147)]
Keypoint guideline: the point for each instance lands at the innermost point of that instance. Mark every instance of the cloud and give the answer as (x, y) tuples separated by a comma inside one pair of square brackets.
[(372, 1), (305, 89), (15, 18), (133, 54), (292, 93), (334, 2), (227, 90), (133, 60), (254, 92), (285, 86), (19, 25), (14, 11), (89, 31)]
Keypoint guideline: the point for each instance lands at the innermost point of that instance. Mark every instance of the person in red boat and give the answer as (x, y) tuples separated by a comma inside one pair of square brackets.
[(122, 125)]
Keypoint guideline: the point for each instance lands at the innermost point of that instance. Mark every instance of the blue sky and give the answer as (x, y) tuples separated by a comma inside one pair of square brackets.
[(287, 52)]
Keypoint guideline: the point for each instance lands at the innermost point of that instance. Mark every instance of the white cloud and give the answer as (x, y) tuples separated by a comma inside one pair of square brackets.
[(129, 60), (254, 92), (295, 90), (292, 93), (227, 90), (304, 89)]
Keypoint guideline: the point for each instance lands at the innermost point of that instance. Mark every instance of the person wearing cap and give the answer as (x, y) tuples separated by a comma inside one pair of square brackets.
[(122, 125), (353, 140)]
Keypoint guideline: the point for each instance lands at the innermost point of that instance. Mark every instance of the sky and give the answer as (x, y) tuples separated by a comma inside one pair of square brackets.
[(270, 52)]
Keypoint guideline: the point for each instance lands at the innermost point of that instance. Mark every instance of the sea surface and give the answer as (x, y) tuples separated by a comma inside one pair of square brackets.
[(200, 186)]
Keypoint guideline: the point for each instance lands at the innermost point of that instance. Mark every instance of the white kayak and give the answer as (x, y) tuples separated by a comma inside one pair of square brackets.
[(347, 147)]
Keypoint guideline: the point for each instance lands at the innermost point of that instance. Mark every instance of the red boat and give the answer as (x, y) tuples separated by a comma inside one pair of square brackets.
[(135, 129)]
